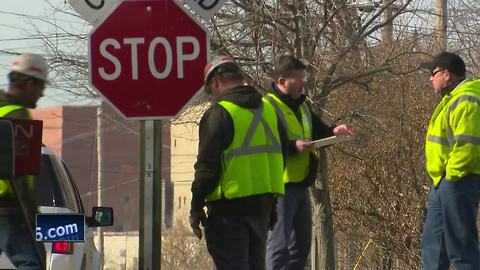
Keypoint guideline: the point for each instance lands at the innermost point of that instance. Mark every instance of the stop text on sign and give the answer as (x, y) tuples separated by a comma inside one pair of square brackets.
[(132, 62), (158, 46)]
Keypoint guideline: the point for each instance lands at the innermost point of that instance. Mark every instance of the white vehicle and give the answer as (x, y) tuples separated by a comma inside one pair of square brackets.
[(56, 192)]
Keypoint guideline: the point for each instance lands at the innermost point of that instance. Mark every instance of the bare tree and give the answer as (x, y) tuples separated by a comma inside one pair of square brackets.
[(182, 250), (339, 45), (371, 82)]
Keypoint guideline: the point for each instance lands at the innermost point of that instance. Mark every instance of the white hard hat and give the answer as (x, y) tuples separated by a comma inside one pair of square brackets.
[(214, 63), (32, 65)]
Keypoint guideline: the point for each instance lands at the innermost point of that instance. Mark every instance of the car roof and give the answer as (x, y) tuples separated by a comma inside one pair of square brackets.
[(47, 151)]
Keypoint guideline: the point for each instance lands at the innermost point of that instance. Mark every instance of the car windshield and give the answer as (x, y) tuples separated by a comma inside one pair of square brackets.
[(48, 186)]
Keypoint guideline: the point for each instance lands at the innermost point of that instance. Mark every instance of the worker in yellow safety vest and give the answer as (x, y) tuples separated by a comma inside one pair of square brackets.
[(452, 152), (288, 245), (238, 172), (27, 81)]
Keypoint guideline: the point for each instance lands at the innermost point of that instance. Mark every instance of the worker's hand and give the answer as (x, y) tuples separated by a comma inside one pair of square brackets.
[(343, 130), (197, 217), (303, 145)]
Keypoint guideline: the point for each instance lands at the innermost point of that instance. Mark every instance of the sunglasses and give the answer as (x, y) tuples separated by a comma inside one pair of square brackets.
[(433, 73)]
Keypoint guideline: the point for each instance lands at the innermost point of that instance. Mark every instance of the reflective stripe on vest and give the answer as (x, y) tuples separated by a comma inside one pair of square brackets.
[(5, 184), (245, 149), (451, 138), (452, 145), (253, 163), (4, 110), (297, 166)]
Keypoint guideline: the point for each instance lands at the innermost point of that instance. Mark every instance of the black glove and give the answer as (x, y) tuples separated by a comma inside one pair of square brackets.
[(197, 217)]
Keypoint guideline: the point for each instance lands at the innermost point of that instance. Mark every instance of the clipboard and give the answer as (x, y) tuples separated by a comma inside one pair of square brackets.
[(331, 140)]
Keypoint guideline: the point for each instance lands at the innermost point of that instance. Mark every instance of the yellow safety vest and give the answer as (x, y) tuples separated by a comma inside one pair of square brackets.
[(253, 163), (5, 189), (452, 145), (297, 165)]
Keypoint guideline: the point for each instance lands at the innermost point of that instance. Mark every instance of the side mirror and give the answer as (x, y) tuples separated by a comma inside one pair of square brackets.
[(101, 217), (7, 150)]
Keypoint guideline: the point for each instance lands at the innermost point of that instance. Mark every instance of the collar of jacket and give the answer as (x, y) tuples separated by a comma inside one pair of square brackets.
[(245, 96), (447, 90), (293, 104), (7, 99)]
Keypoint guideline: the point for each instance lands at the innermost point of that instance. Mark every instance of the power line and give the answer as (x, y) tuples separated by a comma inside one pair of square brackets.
[(432, 29), (9, 52), (38, 17), (91, 193)]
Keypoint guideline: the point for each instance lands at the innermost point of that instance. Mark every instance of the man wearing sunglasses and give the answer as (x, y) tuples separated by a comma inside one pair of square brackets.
[(239, 169), (452, 151)]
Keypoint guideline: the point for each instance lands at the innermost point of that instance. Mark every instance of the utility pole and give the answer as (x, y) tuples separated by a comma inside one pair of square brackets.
[(100, 174), (441, 26)]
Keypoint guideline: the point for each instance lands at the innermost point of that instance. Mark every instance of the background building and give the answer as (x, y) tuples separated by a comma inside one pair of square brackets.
[(184, 149), (71, 132)]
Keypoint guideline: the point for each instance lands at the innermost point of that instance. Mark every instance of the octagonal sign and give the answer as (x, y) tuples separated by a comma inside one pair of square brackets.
[(147, 58)]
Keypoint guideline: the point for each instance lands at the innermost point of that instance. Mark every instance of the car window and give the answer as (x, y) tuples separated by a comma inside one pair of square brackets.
[(47, 190), (52, 185), (72, 181)]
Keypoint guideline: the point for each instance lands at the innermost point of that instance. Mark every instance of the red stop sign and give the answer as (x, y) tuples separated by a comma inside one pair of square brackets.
[(147, 58)]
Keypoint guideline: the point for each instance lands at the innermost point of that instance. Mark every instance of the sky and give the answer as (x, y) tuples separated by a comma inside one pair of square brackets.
[(21, 21)]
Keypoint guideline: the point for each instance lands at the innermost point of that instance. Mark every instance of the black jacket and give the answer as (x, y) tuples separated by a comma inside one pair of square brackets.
[(216, 135), (319, 130)]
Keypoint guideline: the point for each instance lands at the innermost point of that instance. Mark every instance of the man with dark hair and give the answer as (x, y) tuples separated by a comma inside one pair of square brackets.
[(452, 152), (288, 245), (27, 80), (238, 170)]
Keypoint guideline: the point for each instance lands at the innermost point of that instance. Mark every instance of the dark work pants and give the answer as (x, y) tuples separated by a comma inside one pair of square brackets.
[(237, 242), (288, 245), (450, 230), (16, 242)]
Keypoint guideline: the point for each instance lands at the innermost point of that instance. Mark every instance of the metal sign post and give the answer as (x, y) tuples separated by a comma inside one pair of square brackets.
[(150, 194), (148, 69)]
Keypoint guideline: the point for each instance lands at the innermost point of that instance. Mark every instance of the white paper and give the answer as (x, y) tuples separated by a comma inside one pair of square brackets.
[(331, 140)]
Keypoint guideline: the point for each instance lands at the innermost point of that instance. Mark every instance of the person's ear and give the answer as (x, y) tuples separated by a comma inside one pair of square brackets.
[(448, 76), (215, 82), (281, 81)]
